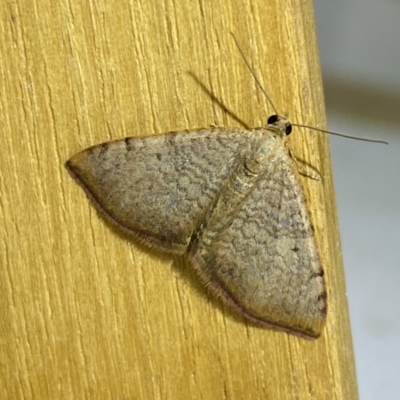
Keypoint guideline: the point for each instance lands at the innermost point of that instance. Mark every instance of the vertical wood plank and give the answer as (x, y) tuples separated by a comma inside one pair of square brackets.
[(88, 313)]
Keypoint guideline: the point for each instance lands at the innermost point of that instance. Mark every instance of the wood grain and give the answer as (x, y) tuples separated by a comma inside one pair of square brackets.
[(86, 312)]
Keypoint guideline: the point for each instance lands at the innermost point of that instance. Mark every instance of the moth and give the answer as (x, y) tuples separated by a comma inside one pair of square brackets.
[(230, 200)]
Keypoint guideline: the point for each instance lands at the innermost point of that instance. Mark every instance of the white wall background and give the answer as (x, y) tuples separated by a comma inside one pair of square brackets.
[(359, 44)]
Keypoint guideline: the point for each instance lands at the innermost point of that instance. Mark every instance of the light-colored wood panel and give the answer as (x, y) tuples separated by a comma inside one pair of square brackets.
[(88, 313)]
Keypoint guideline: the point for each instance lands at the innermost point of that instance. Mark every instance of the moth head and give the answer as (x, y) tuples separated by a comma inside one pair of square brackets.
[(281, 123)]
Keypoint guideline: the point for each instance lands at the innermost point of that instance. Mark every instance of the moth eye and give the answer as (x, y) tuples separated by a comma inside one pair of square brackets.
[(272, 119), (288, 130)]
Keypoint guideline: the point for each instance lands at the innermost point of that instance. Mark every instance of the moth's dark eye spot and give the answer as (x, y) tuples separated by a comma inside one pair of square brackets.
[(288, 130), (272, 119)]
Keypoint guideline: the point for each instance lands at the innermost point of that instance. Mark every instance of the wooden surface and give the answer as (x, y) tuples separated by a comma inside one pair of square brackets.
[(87, 313)]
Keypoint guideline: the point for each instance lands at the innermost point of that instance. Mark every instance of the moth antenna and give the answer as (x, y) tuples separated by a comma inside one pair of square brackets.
[(298, 125), (254, 74), (341, 134)]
